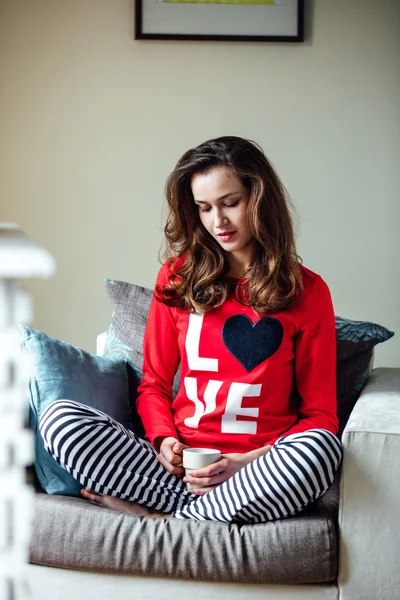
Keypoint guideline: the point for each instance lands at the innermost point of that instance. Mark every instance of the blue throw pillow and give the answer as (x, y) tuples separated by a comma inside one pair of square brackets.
[(62, 371)]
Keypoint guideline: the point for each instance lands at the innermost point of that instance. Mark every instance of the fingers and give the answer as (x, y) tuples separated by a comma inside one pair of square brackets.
[(175, 470), (171, 456), (178, 447), (213, 469), (172, 449), (206, 481), (209, 477), (201, 491)]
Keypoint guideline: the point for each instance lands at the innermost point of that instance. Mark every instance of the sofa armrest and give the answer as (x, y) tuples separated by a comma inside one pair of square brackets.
[(369, 523)]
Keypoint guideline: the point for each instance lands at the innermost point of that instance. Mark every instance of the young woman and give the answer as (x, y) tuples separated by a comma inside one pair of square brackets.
[(254, 332)]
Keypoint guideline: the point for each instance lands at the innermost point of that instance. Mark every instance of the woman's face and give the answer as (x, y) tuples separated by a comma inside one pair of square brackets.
[(222, 201)]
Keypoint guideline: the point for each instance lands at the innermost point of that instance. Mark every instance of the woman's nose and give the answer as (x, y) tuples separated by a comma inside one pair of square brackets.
[(220, 219)]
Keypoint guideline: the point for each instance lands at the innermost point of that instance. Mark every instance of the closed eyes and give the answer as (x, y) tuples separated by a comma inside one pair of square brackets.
[(231, 205)]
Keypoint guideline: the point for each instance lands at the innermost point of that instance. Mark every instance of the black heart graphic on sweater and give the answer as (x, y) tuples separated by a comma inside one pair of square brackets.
[(251, 344)]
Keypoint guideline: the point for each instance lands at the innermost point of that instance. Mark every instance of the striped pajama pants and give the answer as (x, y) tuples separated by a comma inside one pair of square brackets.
[(107, 458)]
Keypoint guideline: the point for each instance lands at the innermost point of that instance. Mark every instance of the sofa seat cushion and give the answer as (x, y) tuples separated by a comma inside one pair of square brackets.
[(72, 533)]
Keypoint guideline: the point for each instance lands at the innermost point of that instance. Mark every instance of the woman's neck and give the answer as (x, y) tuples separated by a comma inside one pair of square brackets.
[(236, 274), (238, 265)]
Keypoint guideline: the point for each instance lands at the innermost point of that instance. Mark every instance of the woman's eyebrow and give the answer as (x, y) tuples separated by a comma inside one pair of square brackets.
[(218, 199)]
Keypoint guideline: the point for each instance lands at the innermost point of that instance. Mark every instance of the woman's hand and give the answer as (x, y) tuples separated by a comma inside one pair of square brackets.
[(216, 473), (170, 456)]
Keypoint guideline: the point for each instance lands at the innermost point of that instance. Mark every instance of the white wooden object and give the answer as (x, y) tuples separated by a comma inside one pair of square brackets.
[(19, 258), (101, 340)]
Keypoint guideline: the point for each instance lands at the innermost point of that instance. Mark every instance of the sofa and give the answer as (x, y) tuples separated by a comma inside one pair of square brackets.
[(346, 545)]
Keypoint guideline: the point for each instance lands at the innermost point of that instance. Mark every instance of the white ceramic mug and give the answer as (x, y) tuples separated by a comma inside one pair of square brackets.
[(196, 458)]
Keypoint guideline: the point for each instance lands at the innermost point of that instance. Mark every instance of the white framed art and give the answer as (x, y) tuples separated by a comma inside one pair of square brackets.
[(222, 20)]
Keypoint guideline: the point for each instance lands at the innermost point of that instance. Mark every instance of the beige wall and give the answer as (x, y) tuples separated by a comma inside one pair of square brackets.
[(92, 122)]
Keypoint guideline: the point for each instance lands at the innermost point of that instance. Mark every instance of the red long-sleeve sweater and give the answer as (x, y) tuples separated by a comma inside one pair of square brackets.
[(239, 371)]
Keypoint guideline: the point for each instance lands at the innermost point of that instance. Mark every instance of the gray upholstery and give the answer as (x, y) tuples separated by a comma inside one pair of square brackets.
[(370, 493), (73, 533), (302, 549), (369, 530)]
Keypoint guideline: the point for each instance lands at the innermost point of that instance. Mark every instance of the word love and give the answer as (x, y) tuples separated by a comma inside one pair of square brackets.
[(237, 391)]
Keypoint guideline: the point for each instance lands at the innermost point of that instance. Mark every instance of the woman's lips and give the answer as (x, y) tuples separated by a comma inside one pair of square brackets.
[(225, 237)]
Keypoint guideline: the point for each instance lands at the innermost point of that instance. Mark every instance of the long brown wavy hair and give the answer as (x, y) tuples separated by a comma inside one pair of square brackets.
[(198, 279)]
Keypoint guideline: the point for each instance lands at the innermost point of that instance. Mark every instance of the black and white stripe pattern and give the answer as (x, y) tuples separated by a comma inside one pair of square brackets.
[(107, 458), (104, 456), (297, 471)]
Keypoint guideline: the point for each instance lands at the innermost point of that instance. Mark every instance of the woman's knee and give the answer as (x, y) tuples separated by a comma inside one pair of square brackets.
[(316, 437), (54, 414), (316, 450), (328, 443)]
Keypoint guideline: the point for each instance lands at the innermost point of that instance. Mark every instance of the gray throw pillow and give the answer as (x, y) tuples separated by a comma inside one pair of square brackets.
[(131, 305), (355, 343)]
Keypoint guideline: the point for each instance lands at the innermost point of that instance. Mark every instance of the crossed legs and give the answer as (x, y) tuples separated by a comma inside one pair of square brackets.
[(116, 464)]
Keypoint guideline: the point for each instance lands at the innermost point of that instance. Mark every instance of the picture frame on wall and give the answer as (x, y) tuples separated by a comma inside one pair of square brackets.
[(220, 20)]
